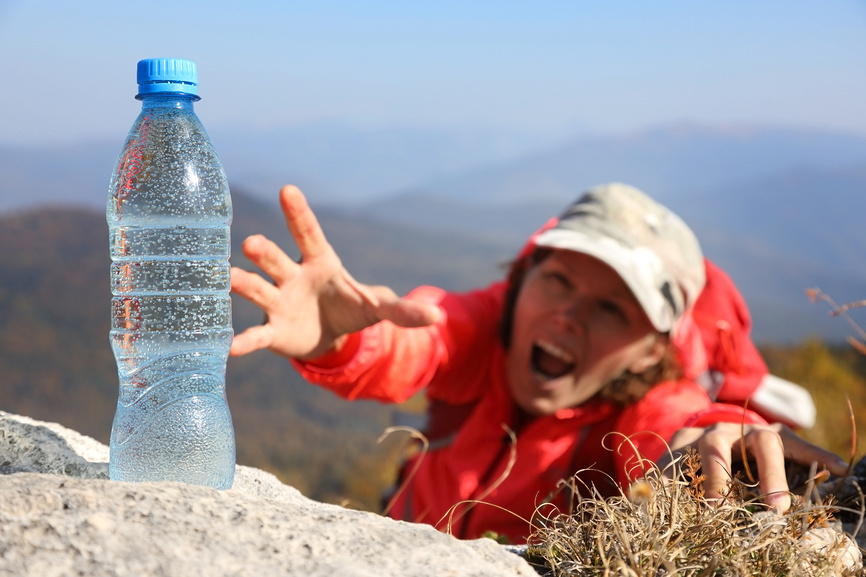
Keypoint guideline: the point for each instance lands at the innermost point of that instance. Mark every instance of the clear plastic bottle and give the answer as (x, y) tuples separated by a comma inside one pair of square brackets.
[(168, 213)]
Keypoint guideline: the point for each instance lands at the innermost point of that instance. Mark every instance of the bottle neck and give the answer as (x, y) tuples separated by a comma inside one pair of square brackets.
[(167, 100)]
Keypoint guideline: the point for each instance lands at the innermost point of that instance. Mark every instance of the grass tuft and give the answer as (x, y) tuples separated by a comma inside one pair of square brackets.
[(664, 526)]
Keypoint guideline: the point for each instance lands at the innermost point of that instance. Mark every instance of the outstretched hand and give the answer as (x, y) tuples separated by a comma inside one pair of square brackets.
[(311, 305), (721, 444)]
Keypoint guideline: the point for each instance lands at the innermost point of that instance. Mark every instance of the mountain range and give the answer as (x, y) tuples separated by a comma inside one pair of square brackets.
[(778, 208)]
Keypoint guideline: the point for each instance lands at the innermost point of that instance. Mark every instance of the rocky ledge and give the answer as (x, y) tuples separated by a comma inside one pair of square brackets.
[(60, 515)]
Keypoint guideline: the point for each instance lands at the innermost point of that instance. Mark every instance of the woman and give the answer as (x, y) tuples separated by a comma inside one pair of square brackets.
[(582, 361)]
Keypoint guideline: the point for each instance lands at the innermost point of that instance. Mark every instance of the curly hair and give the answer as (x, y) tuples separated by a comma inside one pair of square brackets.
[(625, 389)]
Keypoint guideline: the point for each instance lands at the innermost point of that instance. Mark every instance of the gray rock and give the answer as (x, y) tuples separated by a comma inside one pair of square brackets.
[(28, 447), (59, 515)]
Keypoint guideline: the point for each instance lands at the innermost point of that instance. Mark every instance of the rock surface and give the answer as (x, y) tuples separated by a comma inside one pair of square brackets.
[(60, 515)]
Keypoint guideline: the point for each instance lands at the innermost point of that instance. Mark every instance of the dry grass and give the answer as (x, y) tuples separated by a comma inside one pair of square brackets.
[(665, 526)]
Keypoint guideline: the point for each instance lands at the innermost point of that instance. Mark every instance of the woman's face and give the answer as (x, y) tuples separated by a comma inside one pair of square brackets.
[(576, 326)]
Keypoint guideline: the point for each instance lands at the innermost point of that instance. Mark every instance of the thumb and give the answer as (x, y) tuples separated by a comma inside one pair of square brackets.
[(403, 312)]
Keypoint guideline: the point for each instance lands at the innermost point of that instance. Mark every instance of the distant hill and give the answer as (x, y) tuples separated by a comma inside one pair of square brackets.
[(804, 213), (338, 163), (334, 162), (778, 208), (54, 354), (343, 165), (667, 162), (62, 176)]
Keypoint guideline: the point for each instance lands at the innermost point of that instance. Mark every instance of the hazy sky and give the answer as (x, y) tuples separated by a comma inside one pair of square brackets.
[(67, 69)]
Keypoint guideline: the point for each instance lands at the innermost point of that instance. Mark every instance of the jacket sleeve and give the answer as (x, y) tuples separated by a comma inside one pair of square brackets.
[(647, 426), (388, 363)]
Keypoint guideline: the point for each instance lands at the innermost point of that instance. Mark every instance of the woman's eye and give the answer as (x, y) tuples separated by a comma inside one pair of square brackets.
[(612, 308), (559, 278)]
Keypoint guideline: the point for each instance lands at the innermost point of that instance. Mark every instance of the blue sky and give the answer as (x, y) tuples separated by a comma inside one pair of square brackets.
[(67, 69)]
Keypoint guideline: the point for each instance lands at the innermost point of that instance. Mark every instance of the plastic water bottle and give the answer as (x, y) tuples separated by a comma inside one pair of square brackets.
[(168, 215)]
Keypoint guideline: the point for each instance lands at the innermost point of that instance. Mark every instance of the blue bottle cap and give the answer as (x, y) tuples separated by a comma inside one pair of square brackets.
[(167, 75)]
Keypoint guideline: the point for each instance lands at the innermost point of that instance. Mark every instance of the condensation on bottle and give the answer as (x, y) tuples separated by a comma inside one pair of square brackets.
[(169, 213)]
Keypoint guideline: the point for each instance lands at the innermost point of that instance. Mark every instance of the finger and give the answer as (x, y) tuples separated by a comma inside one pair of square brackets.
[(806, 453), (388, 306), (252, 339), (679, 442), (769, 453), (269, 257), (302, 223), (715, 451), (411, 314), (253, 288)]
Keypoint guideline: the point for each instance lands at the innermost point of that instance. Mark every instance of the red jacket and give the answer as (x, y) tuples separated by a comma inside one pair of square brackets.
[(460, 364)]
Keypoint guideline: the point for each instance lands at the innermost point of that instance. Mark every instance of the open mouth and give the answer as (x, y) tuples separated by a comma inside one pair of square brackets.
[(550, 361)]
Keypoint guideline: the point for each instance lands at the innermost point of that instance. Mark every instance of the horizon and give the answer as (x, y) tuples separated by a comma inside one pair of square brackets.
[(544, 73)]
